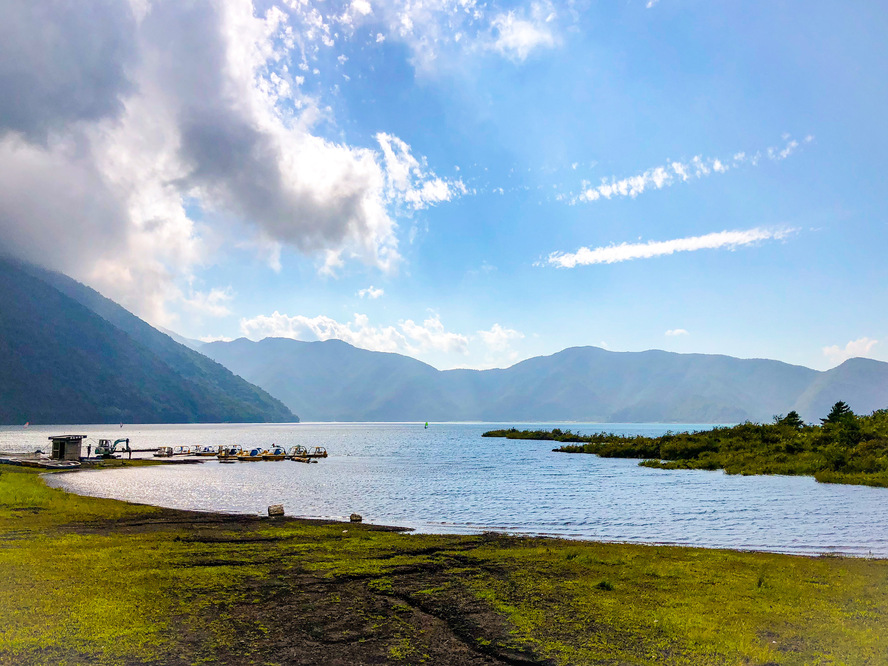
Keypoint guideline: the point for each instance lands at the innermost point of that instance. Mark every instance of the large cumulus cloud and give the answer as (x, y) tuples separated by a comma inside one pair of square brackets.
[(62, 62), (118, 120)]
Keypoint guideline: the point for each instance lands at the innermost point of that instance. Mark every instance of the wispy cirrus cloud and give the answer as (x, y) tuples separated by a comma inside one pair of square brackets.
[(676, 171), (409, 182), (613, 254), (436, 32)]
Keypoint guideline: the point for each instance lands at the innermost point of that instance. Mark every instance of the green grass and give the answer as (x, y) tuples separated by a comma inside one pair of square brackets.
[(73, 593), (651, 605)]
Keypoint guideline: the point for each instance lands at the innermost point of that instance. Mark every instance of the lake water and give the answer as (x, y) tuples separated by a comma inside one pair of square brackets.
[(449, 479)]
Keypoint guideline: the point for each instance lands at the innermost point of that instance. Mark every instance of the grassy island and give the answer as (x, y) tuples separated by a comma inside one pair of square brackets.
[(97, 581), (844, 448)]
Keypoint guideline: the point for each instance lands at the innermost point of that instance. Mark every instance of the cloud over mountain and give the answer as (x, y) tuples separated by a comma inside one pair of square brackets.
[(132, 133)]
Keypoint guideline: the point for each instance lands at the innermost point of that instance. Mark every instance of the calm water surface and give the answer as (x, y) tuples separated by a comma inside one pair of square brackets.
[(450, 479)]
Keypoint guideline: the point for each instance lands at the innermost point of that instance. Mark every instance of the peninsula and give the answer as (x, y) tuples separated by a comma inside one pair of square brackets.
[(844, 448)]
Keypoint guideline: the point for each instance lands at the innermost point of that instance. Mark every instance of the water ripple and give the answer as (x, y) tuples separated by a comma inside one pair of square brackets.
[(449, 479)]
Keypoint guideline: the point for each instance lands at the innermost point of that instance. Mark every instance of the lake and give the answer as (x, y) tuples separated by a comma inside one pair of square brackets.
[(448, 479)]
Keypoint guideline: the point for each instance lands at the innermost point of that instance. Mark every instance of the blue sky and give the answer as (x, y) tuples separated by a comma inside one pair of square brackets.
[(469, 183)]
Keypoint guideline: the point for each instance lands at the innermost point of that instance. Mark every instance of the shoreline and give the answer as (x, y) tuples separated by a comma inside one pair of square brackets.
[(98, 466), (253, 589)]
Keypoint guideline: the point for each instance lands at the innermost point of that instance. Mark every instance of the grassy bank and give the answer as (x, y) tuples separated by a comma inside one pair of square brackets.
[(845, 448), (93, 581)]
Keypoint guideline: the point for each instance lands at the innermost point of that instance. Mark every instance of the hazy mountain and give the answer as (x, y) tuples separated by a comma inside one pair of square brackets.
[(332, 380), (69, 355), (861, 382), (182, 340)]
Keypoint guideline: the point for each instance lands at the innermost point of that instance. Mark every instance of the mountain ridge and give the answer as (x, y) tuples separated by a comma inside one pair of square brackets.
[(70, 355), (334, 381)]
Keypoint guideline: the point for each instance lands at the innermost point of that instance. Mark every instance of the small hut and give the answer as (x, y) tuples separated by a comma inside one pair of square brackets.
[(67, 447)]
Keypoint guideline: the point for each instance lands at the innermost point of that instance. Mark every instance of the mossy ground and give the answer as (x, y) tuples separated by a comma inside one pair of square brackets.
[(94, 581)]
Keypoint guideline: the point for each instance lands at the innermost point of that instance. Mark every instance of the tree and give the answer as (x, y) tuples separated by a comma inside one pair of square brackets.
[(839, 413), (792, 419)]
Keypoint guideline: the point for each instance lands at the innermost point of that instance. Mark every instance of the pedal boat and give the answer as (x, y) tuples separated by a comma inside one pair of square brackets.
[(229, 453), (252, 455), (276, 453)]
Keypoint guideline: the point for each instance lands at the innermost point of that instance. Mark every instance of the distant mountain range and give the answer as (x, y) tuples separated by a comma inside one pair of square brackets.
[(334, 381), (70, 355)]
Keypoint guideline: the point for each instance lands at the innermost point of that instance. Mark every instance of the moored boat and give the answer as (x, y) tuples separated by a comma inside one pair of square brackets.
[(317, 452), (182, 451), (164, 452), (206, 451), (275, 453), (251, 455), (229, 453)]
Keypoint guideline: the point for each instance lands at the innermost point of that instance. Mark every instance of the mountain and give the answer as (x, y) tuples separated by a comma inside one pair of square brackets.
[(70, 355), (333, 381), (182, 340), (860, 382)]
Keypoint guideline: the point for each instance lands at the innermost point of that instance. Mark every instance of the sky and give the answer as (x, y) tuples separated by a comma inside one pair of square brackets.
[(469, 183)]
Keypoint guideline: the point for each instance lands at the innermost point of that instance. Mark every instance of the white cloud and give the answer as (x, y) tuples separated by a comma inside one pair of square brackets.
[(140, 115), (675, 171), (499, 338), (370, 292), (651, 3), (437, 32), (672, 332), (432, 336), (855, 348), (408, 181), (215, 338), (628, 251), (213, 302), (361, 7), (407, 338), (516, 35)]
